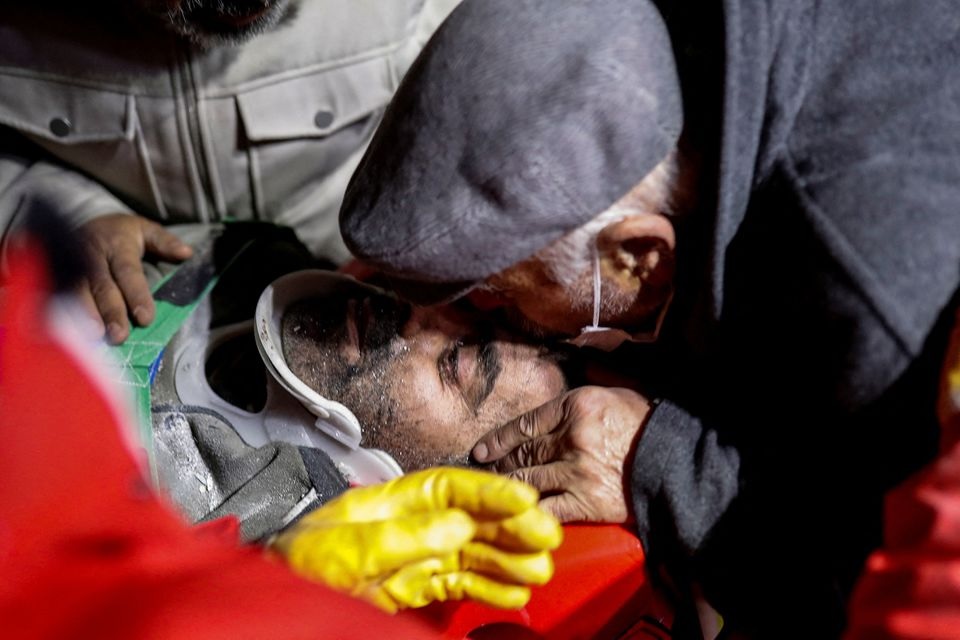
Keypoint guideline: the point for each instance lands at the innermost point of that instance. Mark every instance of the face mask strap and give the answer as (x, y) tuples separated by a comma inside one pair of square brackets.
[(608, 339), (596, 287)]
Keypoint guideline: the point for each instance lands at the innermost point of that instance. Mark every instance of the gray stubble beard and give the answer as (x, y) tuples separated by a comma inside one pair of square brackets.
[(182, 21)]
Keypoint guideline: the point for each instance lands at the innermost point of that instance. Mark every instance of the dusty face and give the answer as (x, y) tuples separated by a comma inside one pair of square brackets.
[(425, 383), (211, 22)]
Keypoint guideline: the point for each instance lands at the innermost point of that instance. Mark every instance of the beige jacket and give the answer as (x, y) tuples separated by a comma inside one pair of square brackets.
[(99, 116)]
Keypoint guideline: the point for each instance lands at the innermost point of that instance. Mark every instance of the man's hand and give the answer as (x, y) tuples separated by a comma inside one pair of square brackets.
[(116, 243), (435, 535), (575, 448)]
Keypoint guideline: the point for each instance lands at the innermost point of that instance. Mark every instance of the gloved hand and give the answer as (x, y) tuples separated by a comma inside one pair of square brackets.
[(439, 534)]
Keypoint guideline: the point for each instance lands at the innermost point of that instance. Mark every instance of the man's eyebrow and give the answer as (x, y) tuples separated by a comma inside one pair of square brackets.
[(489, 361)]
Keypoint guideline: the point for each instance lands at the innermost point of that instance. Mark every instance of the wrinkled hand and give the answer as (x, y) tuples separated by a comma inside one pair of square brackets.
[(116, 243), (439, 534), (574, 447)]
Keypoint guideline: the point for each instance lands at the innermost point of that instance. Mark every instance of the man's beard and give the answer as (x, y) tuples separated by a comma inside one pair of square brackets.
[(413, 456), (312, 331), (209, 23)]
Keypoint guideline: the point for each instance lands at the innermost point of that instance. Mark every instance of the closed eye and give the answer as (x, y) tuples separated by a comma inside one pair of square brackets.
[(472, 367)]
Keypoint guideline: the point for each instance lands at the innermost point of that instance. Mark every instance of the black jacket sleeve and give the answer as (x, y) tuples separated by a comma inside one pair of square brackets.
[(834, 269)]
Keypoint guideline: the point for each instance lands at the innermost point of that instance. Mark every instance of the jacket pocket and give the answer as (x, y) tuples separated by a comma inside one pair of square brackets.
[(304, 137), (315, 105), (63, 113), (88, 129)]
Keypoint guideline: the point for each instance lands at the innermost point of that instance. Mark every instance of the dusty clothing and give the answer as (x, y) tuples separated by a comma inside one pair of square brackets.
[(208, 472), (101, 113), (200, 458), (799, 371)]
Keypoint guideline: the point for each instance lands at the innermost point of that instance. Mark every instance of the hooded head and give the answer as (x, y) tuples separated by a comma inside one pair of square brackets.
[(521, 121)]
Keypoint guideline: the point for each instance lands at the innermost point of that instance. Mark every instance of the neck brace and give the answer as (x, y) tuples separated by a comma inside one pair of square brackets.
[(294, 412)]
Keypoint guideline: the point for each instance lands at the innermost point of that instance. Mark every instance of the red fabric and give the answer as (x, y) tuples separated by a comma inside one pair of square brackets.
[(910, 590), (87, 550), (599, 591)]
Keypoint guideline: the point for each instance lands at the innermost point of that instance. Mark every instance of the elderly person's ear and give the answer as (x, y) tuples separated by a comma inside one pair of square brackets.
[(638, 250)]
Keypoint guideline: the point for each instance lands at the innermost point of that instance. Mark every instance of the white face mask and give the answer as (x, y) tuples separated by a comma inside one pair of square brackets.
[(608, 338)]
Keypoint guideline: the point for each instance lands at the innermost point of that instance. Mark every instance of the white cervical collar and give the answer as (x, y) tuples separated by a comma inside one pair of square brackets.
[(294, 412)]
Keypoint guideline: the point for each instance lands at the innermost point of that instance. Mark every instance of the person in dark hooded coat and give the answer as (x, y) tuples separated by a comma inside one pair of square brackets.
[(770, 188)]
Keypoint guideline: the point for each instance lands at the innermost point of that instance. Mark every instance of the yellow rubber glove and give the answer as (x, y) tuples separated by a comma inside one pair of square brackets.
[(439, 534)]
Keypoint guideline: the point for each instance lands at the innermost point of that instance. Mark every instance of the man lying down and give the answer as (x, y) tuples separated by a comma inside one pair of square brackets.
[(424, 383)]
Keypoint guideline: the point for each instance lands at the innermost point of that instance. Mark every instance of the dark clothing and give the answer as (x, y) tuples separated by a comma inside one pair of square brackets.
[(800, 361), (210, 472)]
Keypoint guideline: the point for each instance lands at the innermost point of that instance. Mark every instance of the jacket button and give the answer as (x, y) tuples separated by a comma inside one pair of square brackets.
[(323, 119), (60, 127)]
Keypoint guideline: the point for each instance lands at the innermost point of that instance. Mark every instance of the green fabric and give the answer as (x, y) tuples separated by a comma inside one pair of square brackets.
[(141, 353), (242, 258)]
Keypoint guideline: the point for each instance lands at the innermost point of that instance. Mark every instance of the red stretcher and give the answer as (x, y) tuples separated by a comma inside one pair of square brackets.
[(599, 591)]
